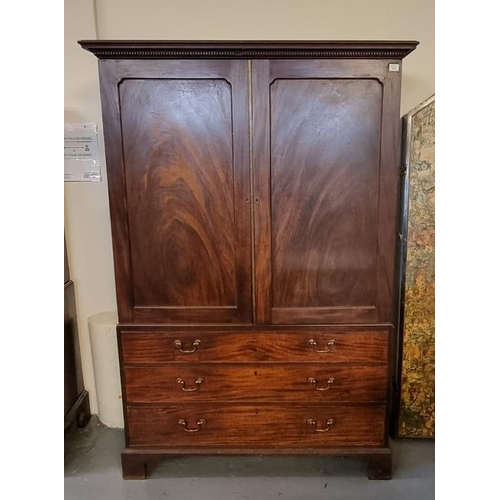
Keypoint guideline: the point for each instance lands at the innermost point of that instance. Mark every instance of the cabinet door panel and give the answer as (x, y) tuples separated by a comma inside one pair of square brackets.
[(325, 138), (180, 191), (184, 134), (328, 155)]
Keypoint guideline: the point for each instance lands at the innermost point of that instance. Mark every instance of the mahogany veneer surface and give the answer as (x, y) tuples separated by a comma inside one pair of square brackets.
[(139, 347), (256, 425)]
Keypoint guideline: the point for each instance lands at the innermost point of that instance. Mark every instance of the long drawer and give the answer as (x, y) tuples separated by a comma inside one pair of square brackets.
[(286, 426), (199, 382), (143, 347)]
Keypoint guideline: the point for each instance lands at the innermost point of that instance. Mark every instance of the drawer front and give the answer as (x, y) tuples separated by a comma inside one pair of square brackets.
[(200, 382), (289, 426), (142, 347)]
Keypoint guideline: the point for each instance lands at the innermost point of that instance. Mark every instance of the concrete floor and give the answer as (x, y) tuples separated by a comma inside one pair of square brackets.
[(92, 472)]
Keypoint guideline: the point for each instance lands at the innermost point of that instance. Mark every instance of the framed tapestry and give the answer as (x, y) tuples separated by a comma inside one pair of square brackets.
[(417, 355)]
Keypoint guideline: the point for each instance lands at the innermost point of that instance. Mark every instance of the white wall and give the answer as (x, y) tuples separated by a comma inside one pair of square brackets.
[(88, 234), (87, 214)]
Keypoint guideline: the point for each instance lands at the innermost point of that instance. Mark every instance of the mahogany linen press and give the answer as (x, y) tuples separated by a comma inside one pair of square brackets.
[(254, 197)]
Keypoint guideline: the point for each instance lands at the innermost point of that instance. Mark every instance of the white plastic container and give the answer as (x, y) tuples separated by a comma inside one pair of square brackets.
[(103, 341)]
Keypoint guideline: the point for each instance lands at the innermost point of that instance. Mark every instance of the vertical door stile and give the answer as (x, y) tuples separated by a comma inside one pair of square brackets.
[(250, 200), (262, 190)]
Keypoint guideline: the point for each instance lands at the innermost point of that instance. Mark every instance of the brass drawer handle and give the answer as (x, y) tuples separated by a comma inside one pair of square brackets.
[(313, 424), (178, 345), (313, 382), (329, 345), (198, 425), (197, 383)]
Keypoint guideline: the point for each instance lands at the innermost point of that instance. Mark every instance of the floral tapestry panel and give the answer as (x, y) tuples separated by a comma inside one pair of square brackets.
[(417, 411)]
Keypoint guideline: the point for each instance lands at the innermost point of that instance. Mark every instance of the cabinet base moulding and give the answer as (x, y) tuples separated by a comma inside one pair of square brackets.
[(137, 463)]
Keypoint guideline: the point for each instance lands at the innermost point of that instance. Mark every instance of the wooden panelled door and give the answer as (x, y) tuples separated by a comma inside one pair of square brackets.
[(181, 223), (325, 143)]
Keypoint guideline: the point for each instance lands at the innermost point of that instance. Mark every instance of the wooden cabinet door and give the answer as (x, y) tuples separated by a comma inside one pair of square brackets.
[(177, 149), (326, 174)]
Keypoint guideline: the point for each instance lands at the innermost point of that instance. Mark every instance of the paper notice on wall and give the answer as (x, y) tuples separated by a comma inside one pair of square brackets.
[(81, 153)]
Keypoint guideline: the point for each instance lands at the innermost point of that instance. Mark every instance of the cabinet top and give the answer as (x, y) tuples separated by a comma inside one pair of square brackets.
[(170, 49)]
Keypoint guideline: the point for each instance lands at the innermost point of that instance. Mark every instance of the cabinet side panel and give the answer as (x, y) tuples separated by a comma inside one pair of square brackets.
[(108, 82)]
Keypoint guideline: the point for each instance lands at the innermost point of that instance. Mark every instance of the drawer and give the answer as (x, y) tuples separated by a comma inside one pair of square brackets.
[(175, 383), (330, 346), (285, 426)]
